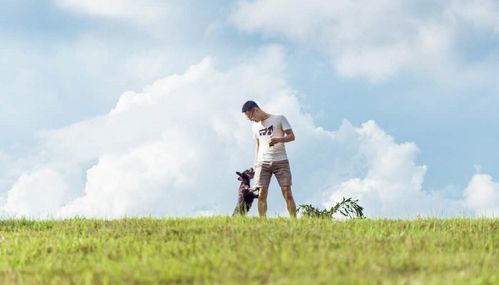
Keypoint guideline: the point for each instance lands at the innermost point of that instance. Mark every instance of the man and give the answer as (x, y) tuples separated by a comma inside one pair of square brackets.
[(271, 133)]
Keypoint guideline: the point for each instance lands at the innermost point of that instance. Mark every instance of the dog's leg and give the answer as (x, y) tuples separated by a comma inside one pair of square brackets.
[(240, 209), (237, 210)]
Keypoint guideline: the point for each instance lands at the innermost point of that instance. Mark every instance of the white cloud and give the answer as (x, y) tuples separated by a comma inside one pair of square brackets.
[(376, 40), (141, 11), (62, 82), (482, 195), (482, 13), (37, 194), (391, 185), (131, 183), (173, 148), (174, 23), (10, 169), (162, 150)]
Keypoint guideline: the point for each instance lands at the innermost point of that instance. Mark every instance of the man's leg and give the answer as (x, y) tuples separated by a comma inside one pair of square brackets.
[(262, 180), (290, 202), (262, 201), (283, 174)]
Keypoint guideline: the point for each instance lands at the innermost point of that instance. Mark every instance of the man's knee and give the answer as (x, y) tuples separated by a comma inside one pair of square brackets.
[(262, 194), (286, 192)]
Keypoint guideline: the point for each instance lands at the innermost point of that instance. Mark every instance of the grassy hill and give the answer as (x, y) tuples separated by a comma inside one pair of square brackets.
[(223, 250)]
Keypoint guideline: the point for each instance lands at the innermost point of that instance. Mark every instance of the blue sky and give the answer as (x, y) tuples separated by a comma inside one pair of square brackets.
[(425, 73)]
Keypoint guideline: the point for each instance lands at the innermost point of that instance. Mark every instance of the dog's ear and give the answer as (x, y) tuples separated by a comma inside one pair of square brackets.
[(240, 176)]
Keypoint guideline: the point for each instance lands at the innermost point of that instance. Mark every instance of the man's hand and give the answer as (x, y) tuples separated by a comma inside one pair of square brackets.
[(273, 141), (289, 136)]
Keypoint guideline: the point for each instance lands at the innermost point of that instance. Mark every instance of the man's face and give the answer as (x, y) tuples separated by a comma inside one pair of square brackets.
[(251, 114)]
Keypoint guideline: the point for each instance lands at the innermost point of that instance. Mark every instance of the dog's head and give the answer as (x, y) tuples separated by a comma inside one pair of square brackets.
[(247, 175)]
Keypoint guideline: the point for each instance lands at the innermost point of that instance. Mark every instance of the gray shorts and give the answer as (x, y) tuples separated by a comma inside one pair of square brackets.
[(265, 169)]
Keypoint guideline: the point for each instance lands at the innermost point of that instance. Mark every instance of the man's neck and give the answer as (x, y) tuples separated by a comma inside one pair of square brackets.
[(266, 116)]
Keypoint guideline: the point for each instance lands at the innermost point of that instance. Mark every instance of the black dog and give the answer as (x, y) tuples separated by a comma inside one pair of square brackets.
[(246, 194)]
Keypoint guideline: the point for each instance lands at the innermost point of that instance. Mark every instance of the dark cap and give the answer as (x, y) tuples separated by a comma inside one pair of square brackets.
[(248, 106)]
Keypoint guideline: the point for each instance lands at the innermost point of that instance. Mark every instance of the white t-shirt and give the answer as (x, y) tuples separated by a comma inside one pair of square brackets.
[(273, 126)]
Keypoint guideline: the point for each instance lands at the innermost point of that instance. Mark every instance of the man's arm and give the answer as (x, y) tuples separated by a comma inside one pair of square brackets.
[(256, 150), (289, 136)]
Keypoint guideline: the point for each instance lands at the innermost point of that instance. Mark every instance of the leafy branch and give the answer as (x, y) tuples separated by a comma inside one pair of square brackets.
[(347, 207)]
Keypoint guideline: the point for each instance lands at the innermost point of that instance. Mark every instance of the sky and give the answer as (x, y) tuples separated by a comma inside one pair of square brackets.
[(116, 108)]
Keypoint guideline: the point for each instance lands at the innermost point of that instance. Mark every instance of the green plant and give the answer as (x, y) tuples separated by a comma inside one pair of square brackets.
[(347, 207), (249, 250)]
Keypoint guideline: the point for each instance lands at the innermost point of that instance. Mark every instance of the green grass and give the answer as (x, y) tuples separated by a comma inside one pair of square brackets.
[(223, 250)]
